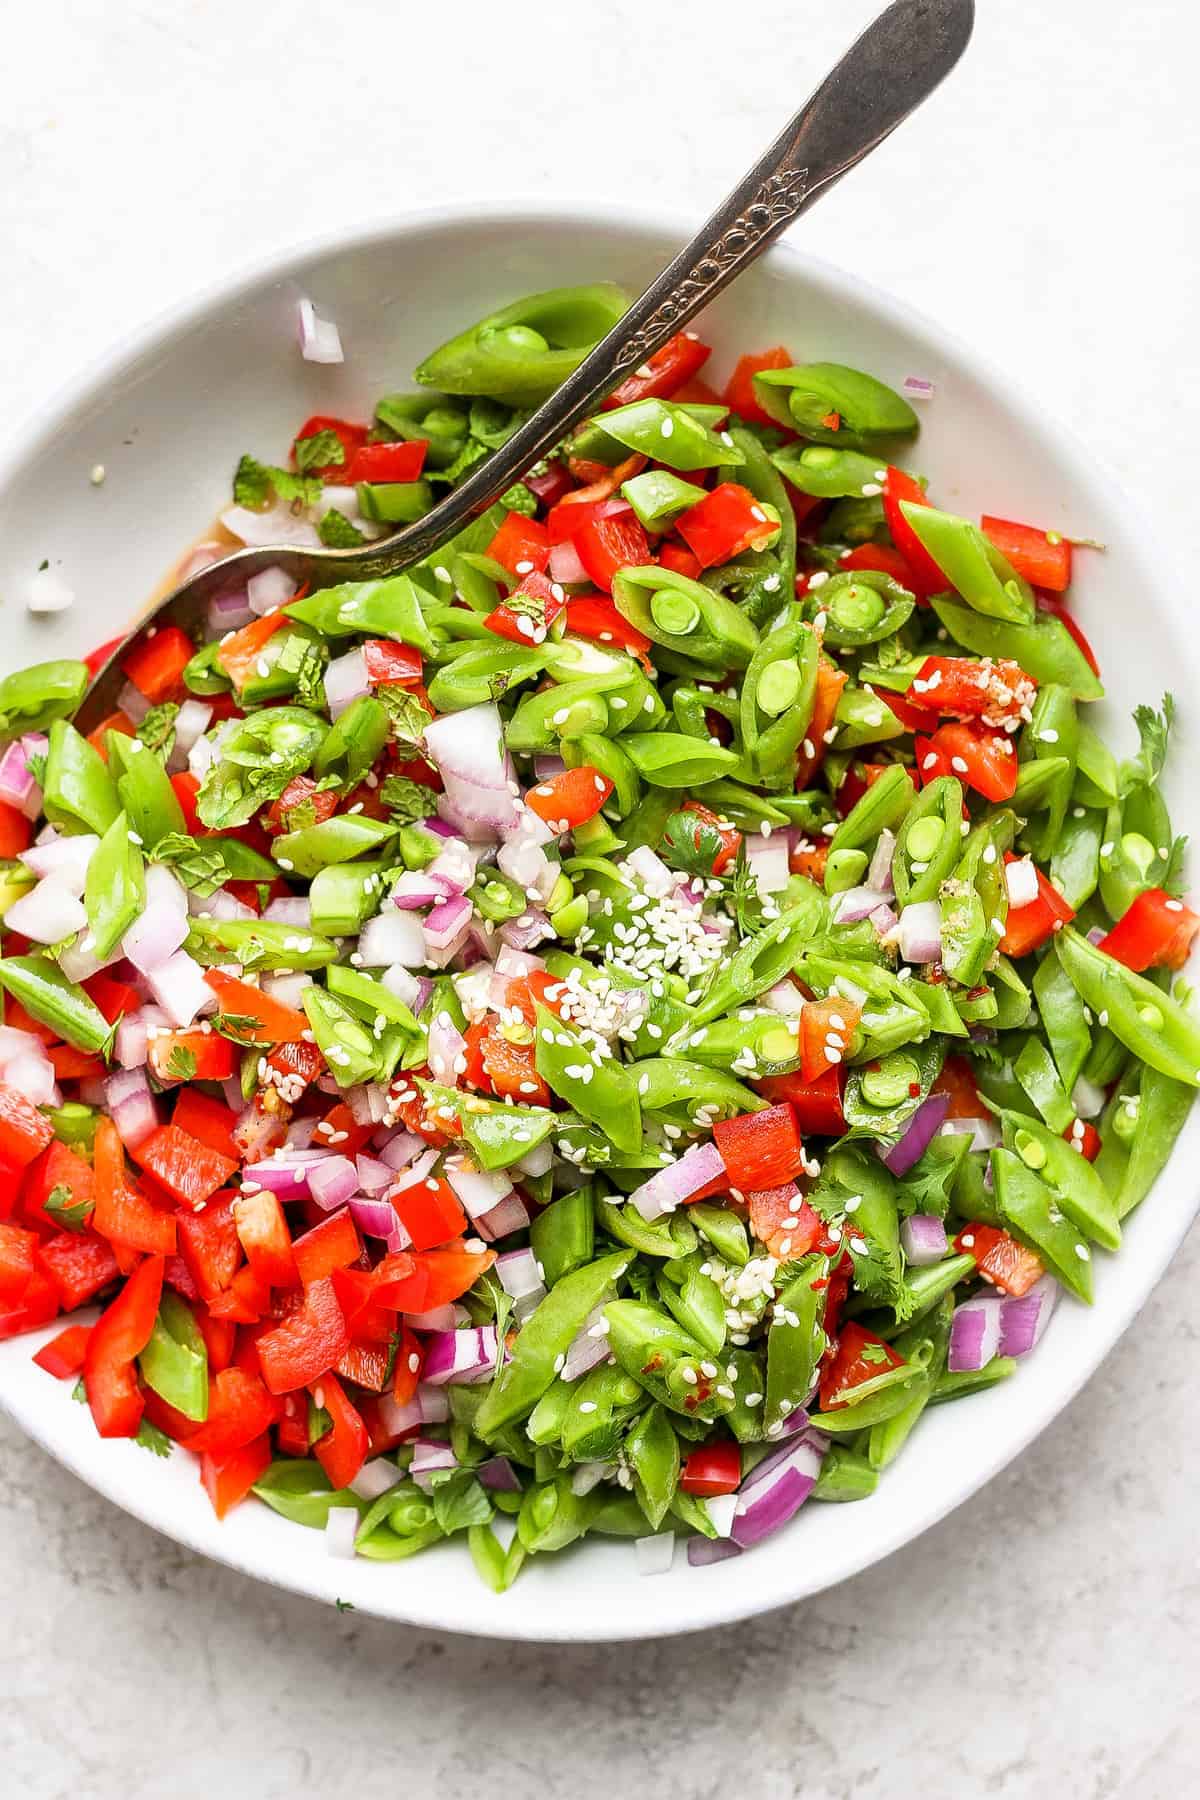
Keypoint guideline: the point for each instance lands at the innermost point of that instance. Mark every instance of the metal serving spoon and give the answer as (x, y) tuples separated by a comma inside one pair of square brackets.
[(884, 76)]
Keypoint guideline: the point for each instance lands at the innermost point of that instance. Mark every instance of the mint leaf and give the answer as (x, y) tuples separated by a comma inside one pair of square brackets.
[(406, 714), (256, 484), (337, 533), (157, 729), (72, 1215), (324, 451), (407, 800)]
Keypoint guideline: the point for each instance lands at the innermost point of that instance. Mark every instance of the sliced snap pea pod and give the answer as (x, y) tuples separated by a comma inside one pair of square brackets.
[(1063, 1018), (31, 699), (562, 1236), (403, 1527), (956, 1384), (606, 755), (778, 691), (483, 673), (598, 1409), (175, 1361), (762, 960), (844, 1476), (394, 502), (863, 717), (79, 793), (1142, 1017), (435, 419), (599, 1089), (1035, 1070), (972, 565), (833, 404), (1162, 1109), (115, 891), (1136, 847), (524, 351), (669, 433), (340, 839), (144, 789), (258, 944), (685, 616), (928, 1341), (929, 841), (257, 757), (762, 1044), (1098, 782), (547, 1335), (724, 1231), (390, 608), (652, 1454), (298, 1489), (923, 1288), (673, 759), (666, 1360), (281, 663), (1037, 783), (345, 895), (626, 1226), (658, 497), (1031, 1211), (1079, 1190), (1043, 646), (354, 741), (352, 1050), (695, 1300), (861, 608), (204, 674), (827, 473), (40, 986), (881, 808), (795, 1340), (1075, 858), (368, 998), (1053, 729)]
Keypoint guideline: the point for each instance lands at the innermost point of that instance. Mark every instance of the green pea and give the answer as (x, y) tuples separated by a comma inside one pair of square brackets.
[(516, 337), (832, 404), (925, 838), (675, 613), (779, 687), (891, 1082), (844, 869)]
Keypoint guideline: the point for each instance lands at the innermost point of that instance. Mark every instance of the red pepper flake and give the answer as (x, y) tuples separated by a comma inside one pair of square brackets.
[(914, 1088), (832, 421), (822, 1281)]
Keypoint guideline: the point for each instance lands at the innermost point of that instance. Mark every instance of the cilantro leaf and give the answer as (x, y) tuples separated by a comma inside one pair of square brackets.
[(407, 800), (336, 531), (149, 1437), (344, 1605), (323, 451), (1154, 731), (1173, 880), (71, 1215), (519, 499), (238, 1026), (35, 762), (181, 1064), (157, 729)]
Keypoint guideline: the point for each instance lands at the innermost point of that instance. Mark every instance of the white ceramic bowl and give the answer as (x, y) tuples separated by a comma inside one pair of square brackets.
[(168, 415)]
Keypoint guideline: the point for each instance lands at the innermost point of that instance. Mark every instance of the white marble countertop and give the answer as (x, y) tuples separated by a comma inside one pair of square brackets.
[(1041, 1640)]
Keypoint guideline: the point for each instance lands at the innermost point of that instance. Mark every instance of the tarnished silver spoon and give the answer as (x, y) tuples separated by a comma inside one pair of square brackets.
[(885, 75)]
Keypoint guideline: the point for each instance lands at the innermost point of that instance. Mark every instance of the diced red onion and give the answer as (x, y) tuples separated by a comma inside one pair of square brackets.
[(785, 999), (855, 903), (984, 1133), (201, 557), (479, 1190), (546, 767), (446, 922), (526, 863), (1020, 878), (17, 786), (416, 889), (130, 1105), (277, 525), (228, 611), (300, 1134), (79, 961), (439, 1318), (1087, 1099), (538, 1160), (1023, 1320), (565, 564), (374, 1176), (509, 1215), (431, 1456), (704, 1550), (428, 1406), (588, 1475), (191, 722), (414, 990), (32, 1074), (530, 928), (879, 874), (368, 1102), (920, 932), (587, 1348), (220, 905), (48, 913), (165, 887), (320, 341), (974, 1333), (519, 1274), (654, 1554), (923, 1239), (393, 937), (132, 1043), (679, 1181), (455, 864), (179, 987), (651, 871), (287, 989), (64, 858), (470, 745), (775, 1491), (461, 1357), (332, 1182), (15, 1043), (402, 1147), (499, 1475), (916, 387), (374, 1478), (290, 909), (267, 591), (155, 936), (922, 1127), (376, 1218), (767, 858), (1096, 935), (346, 680), (286, 1177), (884, 920)]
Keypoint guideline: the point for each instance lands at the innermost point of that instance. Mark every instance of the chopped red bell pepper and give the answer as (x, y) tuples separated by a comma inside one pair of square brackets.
[(406, 1366), (521, 545), (724, 523), (1042, 557), (400, 462), (343, 1449), (239, 1410), (16, 832), (926, 577), (1000, 1259), (569, 799), (608, 545), (860, 1356), (957, 1079), (292, 1430), (782, 1221), (664, 373), (208, 1243), (64, 1355), (117, 1340), (1029, 926), (245, 1300), (263, 1233), (333, 1244), (817, 1104), (338, 1130), (810, 860), (713, 1469), (366, 1364), (883, 559), (827, 1029), (96, 659), (209, 1121), (731, 838), (80, 1265), (761, 1149), (399, 1282), (302, 791), (190, 1171), (679, 559), (530, 610), (1082, 1135), (527, 992), (56, 1167), (186, 788), (220, 1339), (739, 389), (238, 655), (306, 1343), (16, 1261), (352, 437), (261, 1020), (36, 1306), (195, 1055), (1154, 932), (155, 665), (591, 616), (930, 761), (830, 682), (122, 1212), (435, 1278), (227, 1480), (430, 1213), (112, 997), (960, 687), (511, 1071), (24, 1131), (70, 1064), (983, 759)]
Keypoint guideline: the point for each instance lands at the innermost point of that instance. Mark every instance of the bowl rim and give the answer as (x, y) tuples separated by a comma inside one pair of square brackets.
[(729, 1604)]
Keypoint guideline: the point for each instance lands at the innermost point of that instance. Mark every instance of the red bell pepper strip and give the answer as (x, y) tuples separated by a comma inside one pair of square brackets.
[(263, 1233), (386, 462), (96, 659), (229, 1479), (156, 664), (208, 1243), (930, 761), (56, 1167), (521, 545), (406, 1366), (830, 682), (190, 1171), (207, 1120), (338, 1131), (1082, 1135), (303, 791), (274, 1023), (591, 616), (305, 1344), (1042, 557), (827, 1029), (1155, 932), (122, 1212), (239, 1410), (781, 1221), (1001, 1261), (664, 373), (343, 1449), (398, 1283), (762, 1149), (511, 1071), (366, 1365), (238, 655), (112, 997), (739, 389), (186, 787), (713, 1469), (730, 836), (70, 1064), (883, 559), (37, 1305), (724, 523), (352, 437), (16, 832), (569, 799), (608, 545), (292, 1430), (958, 1081), (391, 664), (860, 1357), (817, 1104), (118, 1339), (679, 559), (430, 1213), (983, 759), (24, 1132), (16, 1261), (527, 992), (245, 1300), (63, 1356), (1029, 926), (926, 577), (220, 1338), (333, 1244), (80, 1265)]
